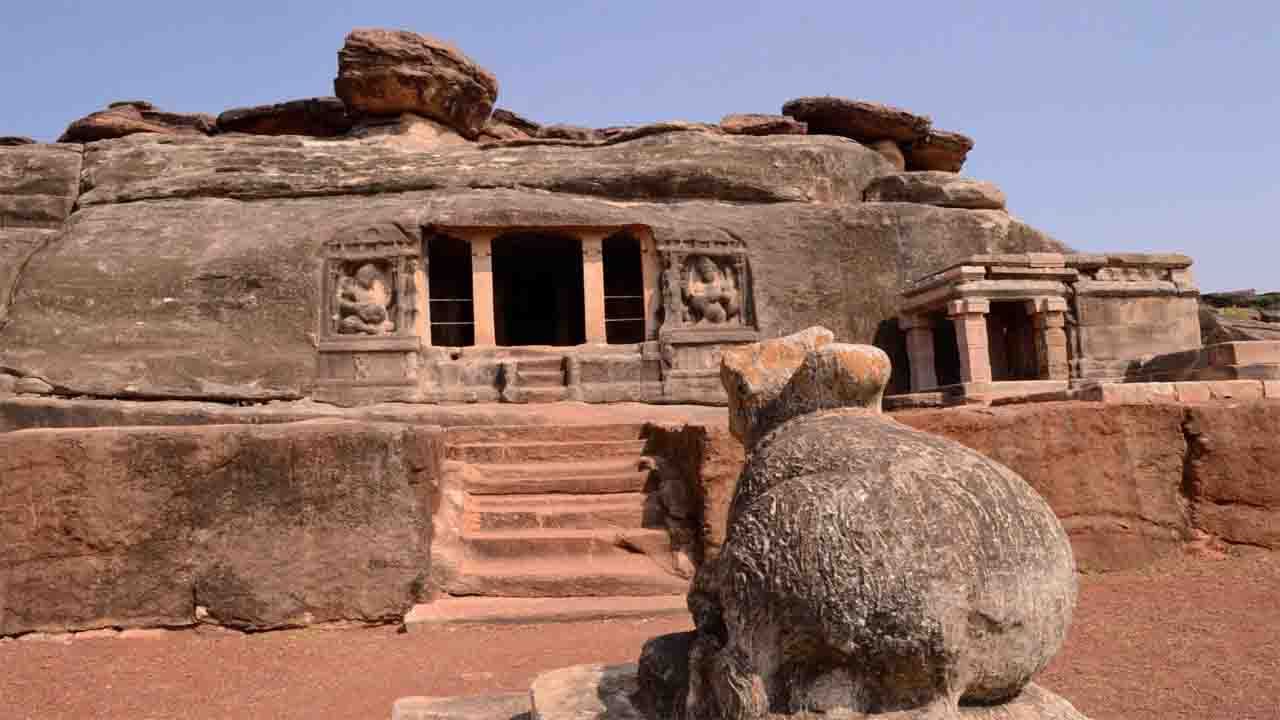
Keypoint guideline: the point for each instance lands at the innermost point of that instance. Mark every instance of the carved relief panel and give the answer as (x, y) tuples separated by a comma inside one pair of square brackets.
[(369, 289), (706, 289)]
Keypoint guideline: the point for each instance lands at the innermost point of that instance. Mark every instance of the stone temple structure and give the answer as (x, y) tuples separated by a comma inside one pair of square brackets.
[(407, 242), (491, 349)]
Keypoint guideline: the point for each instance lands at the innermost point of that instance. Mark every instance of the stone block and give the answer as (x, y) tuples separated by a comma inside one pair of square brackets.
[(1271, 389), (264, 525), (1113, 473), (501, 706), (1232, 471), (1138, 393)]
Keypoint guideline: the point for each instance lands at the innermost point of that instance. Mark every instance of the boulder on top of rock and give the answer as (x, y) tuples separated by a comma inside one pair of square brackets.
[(316, 117), (389, 72), (939, 150), (129, 118), (756, 124), (943, 189), (863, 121), (15, 140)]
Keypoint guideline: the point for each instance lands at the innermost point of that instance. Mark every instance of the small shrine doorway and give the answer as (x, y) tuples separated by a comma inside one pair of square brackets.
[(538, 289)]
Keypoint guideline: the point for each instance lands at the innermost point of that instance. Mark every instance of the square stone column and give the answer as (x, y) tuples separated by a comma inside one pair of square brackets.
[(593, 285), (651, 270), (970, 318), (482, 287), (919, 351), (1049, 316)]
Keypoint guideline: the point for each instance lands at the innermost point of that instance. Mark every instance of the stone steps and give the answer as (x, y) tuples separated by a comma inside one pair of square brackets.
[(621, 477), (534, 452), (547, 543), (543, 433), (575, 511), (630, 575), (519, 610), (558, 511)]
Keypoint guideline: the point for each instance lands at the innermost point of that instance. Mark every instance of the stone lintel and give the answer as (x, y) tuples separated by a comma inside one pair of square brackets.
[(1000, 272), (913, 321), (951, 275), (968, 306), (1046, 305)]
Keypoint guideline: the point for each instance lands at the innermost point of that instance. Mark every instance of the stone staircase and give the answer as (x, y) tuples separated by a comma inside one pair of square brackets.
[(559, 511), (537, 379)]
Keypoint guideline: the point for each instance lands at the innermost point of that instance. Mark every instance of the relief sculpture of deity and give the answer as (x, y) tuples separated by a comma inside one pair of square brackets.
[(710, 292), (364, 302)]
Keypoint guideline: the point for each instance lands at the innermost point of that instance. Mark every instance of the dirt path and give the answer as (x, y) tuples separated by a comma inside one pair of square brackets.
[(1189, 639)]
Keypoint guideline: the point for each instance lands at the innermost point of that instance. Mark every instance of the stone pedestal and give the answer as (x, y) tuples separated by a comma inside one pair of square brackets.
[(970, 318)]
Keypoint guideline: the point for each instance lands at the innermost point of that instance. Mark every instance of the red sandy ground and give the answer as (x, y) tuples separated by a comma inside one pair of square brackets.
[(1191, 638)]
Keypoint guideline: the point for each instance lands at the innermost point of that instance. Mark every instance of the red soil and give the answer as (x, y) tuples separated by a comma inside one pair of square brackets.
[(1191, 638)]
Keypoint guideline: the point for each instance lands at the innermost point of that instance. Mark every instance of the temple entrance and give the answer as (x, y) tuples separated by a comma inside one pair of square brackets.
[(623, 289), (1012, 340), (946, 350), (538, 290)]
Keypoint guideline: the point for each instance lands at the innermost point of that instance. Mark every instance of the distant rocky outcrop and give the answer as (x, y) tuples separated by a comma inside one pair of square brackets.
[(15, 140), (390, 72), (1239, 315), (135, 116), (876, 125)]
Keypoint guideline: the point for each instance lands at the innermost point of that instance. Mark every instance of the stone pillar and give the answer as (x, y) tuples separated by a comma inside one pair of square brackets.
[(651, 270), (970, 318), (482, 288), (1050, 318), (919, 351), (593, 285)]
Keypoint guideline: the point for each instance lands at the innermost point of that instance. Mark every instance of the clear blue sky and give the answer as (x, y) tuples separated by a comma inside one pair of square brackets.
[(1122, 126)]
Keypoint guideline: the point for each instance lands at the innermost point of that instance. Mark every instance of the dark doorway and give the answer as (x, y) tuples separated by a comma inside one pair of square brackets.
[(449, 291), (623, 290), (537, 290), (1012, 340), (946, 350)]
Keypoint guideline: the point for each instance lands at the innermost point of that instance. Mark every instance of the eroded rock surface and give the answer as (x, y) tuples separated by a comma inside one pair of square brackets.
[(944, 189), (389, 72), (859, 120), (755, 124), (261, 526), (130, 118)]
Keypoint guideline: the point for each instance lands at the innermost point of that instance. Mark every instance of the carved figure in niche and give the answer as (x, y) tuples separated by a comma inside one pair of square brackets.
[(710, 292), (364, 302)]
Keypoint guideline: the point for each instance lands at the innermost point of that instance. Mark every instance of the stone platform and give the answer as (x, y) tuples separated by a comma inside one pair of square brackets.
[(607, 692)]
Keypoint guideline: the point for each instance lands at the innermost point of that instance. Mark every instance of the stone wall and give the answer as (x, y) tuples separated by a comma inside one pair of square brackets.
[(249, 526), (1130, 483)]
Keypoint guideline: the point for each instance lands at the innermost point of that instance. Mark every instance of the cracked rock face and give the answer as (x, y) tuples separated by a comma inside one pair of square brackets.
[(869, 567)]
